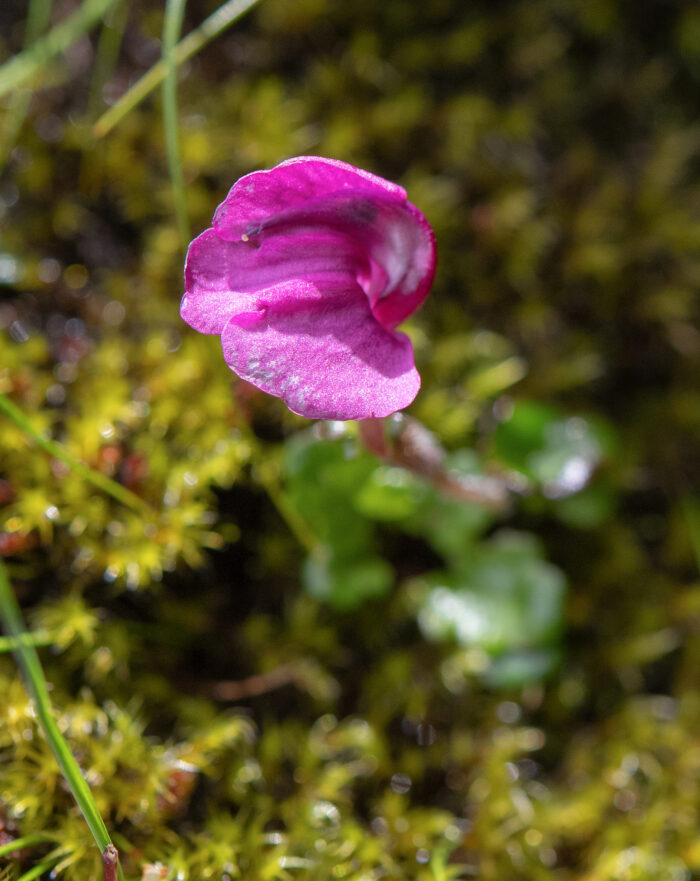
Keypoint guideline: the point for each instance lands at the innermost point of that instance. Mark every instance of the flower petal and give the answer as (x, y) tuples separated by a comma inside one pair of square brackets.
[(395, 237), (320, 349), (401, 245), (261, 194), (216, 271), (392, 234)]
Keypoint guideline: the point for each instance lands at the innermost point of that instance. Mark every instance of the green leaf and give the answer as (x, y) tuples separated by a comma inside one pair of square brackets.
[(504, 597), (345, 584), (450, 526), (558, 453), (322, 478), (589, 508), (391, 494), (211, 27), (518, 668)]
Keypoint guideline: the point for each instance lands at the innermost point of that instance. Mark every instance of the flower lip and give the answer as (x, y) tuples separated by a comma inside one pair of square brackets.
[(293, 255)]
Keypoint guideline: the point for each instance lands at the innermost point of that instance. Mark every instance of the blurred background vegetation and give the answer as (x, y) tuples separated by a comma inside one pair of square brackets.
[(292, 661)]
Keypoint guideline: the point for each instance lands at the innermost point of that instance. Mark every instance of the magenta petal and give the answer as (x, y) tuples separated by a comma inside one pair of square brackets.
[(392, 241), (217, 271), (260, 194), (401, 245), (209, 271), (321, 350)]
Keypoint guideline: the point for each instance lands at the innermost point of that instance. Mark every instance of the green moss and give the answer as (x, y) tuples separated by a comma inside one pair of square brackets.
[(242, 713)]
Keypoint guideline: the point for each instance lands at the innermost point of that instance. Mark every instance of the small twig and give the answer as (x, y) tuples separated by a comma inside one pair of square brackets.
[(268, 477), (403, 441), (253, 686), (489, 492)]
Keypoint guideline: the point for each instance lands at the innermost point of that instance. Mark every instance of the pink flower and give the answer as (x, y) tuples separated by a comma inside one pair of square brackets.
[(306, 272)]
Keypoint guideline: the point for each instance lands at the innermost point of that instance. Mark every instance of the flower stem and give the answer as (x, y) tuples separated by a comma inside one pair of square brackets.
[(403, 441), (28, 661), (58, 451)]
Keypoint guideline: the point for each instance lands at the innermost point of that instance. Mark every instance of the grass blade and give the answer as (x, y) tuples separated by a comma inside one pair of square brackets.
[(28, 661), (11, 643), (53, 448), (38, 17), (31, 60), (172, 26), (210, 28), (42, 867), (691, 510), (107, 53), (25, 841)]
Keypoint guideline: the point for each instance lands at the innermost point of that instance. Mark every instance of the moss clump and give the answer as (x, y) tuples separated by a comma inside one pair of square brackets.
[(241, 710)]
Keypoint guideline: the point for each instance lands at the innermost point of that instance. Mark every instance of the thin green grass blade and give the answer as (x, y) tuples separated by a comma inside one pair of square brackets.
[(267, 472), (40, 868), (210, 28), (11, 643), (107, 53), (172, 26), (25, 841), (691, 509), (38, 17), (28, 661), (34, 59), (296, 523), (53, 448)]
